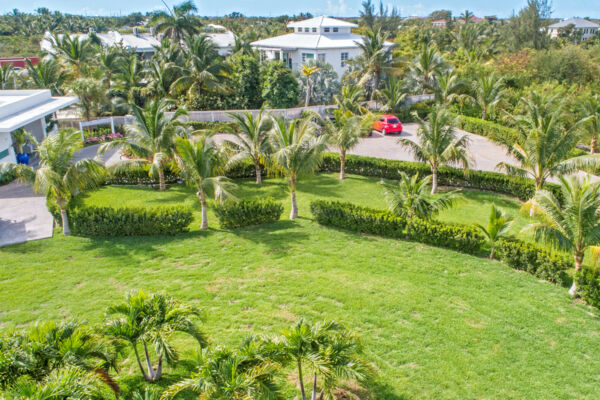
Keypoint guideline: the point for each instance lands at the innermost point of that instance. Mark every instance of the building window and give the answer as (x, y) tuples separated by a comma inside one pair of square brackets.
[(335, 29), (306, 29), (322, 57), (314, 29), (298, 29), (307, 56), (326, 30), (344, 58)]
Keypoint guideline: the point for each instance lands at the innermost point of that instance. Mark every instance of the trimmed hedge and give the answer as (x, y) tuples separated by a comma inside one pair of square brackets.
[(588, 285), (139, 176), (493, 131), (248, 212), (7, 177), (535, 259), (362, 219)]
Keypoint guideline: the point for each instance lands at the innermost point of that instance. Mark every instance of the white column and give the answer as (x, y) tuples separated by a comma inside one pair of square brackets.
[(43, 123)]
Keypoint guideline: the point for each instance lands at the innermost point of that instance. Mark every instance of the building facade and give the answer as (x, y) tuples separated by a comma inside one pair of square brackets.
[(587, 29)]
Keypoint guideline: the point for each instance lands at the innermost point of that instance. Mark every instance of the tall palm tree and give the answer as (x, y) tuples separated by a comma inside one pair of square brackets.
[(297, 151), (438, 143), (92, 95), (151, 137), (498, 225), (58, 176), (74, 51), (47, 74), (251, 139), (427, 65), (411, 198), (467, 16), (151, 320), (160, 77), (572, 224), (590, 107), (225, 374), (487, 93), (178, 22), (129, 78), (375, 60), (308, 71), (447, 87), (201, 165), (393, 95)]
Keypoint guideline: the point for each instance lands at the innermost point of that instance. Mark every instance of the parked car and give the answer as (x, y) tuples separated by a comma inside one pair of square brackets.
[(388, 124)]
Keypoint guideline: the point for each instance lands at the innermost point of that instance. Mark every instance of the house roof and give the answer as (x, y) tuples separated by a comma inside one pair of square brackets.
[(143, 42), (293, 41), (222, 40), (578, 22), (322, 21)]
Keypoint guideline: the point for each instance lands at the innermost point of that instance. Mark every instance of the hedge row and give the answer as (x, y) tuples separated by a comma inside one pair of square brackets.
[(361, 219), (529, 257), (139, 176), (588, 285), (493, 131), (248, 212)]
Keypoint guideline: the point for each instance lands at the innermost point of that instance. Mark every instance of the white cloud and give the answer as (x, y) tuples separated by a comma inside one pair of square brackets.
[(340, 9)]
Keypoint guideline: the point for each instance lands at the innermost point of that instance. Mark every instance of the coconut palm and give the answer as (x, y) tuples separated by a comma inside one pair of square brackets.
[(590, 107), (438, 143), (411, 197), (447, 87), (58, 176), (351, 98), (225, 374), (8, 77), (487, 93), (160, 76), (308, 71), (151, 137), (251, 139), (572, 223), (178, 22), (73, 51), (150, 321), (297, 152), (129, 78), (375, 60), (498, 225), (467, 16), (47, 74), (201, 165), (92, 95), (393, 96), (427, 65)]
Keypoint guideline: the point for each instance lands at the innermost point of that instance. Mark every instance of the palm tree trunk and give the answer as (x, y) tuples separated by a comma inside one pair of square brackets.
[(578, 261), (258, 175), (593, 144), (294, 211), (307, 99), (314, 390), (139, 362), (202, 196), (434, 179), (161, 180), (375, 84), (343, 165), (159, 369), (492, 252), (483, 113), (65, 222), (301, 380), (151, 373)]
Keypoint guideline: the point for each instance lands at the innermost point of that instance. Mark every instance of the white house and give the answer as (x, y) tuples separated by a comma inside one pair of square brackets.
[(26, 109), (587, 28), (323, 38)]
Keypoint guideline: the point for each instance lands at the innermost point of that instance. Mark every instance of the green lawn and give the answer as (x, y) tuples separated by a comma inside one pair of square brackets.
[(436, 324)]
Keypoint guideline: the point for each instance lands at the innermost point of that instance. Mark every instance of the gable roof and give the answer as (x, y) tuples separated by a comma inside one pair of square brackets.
[(578, 22), (322, 21), (293, 41)]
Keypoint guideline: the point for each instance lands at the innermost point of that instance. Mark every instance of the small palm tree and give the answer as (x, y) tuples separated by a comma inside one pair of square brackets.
[(251, 139), (151, 320), (351, 98), (178, 22), (8, 77), (488, 92), (151, 137), (411, 198), (498, 226), (201, 165), (427, 65), (393, 95), (58, 176), (438, 143), (447, 87), (590, 107), (47, 74), (308, 71), (92, 94), (572, 224), (297, 151), (73, 51)]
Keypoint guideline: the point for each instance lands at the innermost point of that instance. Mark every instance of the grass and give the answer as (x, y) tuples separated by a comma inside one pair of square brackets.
[(436, 324)]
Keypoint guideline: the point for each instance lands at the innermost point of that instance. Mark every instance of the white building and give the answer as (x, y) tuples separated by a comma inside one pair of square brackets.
[(321, 38), (26, 109), (587, 28)]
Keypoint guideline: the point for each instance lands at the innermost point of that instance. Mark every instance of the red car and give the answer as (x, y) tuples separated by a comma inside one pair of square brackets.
[(388, 124)]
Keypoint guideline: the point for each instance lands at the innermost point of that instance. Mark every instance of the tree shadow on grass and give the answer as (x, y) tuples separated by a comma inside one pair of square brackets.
[(383, 391), (279, 237)]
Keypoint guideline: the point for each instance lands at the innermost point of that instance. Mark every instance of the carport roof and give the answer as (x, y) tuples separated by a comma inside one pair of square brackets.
[(21, 107)]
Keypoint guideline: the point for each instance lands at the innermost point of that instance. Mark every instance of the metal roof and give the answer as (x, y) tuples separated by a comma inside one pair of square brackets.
[(314, 42), (322, 21), (578, 22)]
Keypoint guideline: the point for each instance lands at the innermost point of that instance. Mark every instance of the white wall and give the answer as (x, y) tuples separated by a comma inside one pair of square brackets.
[(6, 143)]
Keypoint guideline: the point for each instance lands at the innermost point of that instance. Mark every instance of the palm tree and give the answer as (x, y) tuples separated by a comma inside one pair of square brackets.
[(150, 137), (411, 198), (92, 95), (202, 166), (573, 223), (438, 143), (427, 65), (467, 16), (393, 95), (129, 78), (8, 77), (178, 22), (74, 51), (251, 139), (308, 71), (488, 91), (297, 151), (58, 176), (225, 374), (447, 87), (151, 320), (375, 60), (498, 225), (160, 76), (47, 74), (590, 107), (351, 99)]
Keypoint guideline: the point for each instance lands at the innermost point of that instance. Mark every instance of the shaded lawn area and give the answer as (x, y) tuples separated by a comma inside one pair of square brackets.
[(436, 324)]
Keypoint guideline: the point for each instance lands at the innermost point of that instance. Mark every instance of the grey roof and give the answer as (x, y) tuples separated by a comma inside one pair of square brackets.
[(578, 22)]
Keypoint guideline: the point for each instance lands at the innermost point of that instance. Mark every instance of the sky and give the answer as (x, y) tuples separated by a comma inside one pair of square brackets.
[(339, 8)]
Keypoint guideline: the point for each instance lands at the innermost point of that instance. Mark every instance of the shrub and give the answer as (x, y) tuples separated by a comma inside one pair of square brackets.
[(361, 219), (535, 259), (218, 127), (588, 285), (7, 176), (493, 131), (139, 176), (248, 212)]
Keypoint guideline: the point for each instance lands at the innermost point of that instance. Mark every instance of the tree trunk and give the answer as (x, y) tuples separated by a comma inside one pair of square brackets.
[(578, 261), (593, 144), (294, 212), (301, 380), (204, 225), (314, 390), (161, 179), (342, 165), (159, 369), (139, 362), (65, 222), (258, 175), (434, 180), (492, 252), (307, 99), (375, 84), (483, 113), (151, 373)]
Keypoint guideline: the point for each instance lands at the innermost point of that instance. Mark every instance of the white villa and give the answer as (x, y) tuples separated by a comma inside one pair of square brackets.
[(587, 28), (26, 109), (323, 38)]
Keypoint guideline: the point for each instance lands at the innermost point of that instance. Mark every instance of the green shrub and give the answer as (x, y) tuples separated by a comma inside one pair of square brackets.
[(362, 219), (248, 212), (7, 176), (535, 259), (139, 176), (588, 285), (218, 127), (493, 131)]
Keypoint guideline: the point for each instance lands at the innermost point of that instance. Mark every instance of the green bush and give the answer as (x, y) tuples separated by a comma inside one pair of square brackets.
[(218, 127), (7, 176), (535, 259), (139, 176), (248, 212), (362, 219), (588, 285), (493, 131)]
